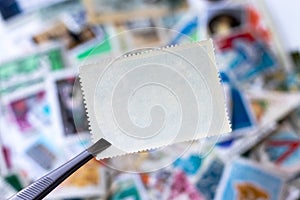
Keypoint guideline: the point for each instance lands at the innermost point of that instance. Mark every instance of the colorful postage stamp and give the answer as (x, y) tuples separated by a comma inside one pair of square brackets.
[(282, 149), (245, 56), (128, 186), (245, 180), (31, 112), (182, 188), (210, 178), (88, 181), (70, 103)]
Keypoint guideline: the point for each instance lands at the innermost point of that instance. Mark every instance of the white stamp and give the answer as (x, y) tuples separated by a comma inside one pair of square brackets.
[(155, 98)]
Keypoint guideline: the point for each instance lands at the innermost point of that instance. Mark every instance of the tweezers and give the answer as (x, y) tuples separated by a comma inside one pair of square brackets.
[(43, 186)]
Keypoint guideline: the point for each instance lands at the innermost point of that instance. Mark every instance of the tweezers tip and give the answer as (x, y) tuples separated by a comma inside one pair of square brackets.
[(99, 146)]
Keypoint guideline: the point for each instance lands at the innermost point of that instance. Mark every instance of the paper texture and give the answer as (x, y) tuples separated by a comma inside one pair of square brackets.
[(155, 98)]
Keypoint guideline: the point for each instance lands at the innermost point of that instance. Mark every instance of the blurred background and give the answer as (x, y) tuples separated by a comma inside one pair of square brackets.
[(43, 121)]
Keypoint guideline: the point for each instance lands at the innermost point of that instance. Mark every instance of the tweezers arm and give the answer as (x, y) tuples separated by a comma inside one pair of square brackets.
[(43, 186)]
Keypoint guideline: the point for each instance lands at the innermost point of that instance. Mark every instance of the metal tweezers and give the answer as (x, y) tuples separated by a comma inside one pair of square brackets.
[(43, 186)]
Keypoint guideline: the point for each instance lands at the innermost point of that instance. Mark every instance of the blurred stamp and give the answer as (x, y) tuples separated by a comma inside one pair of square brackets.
[(88, 181), (70, 102), (28, 110), (243, 180)]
